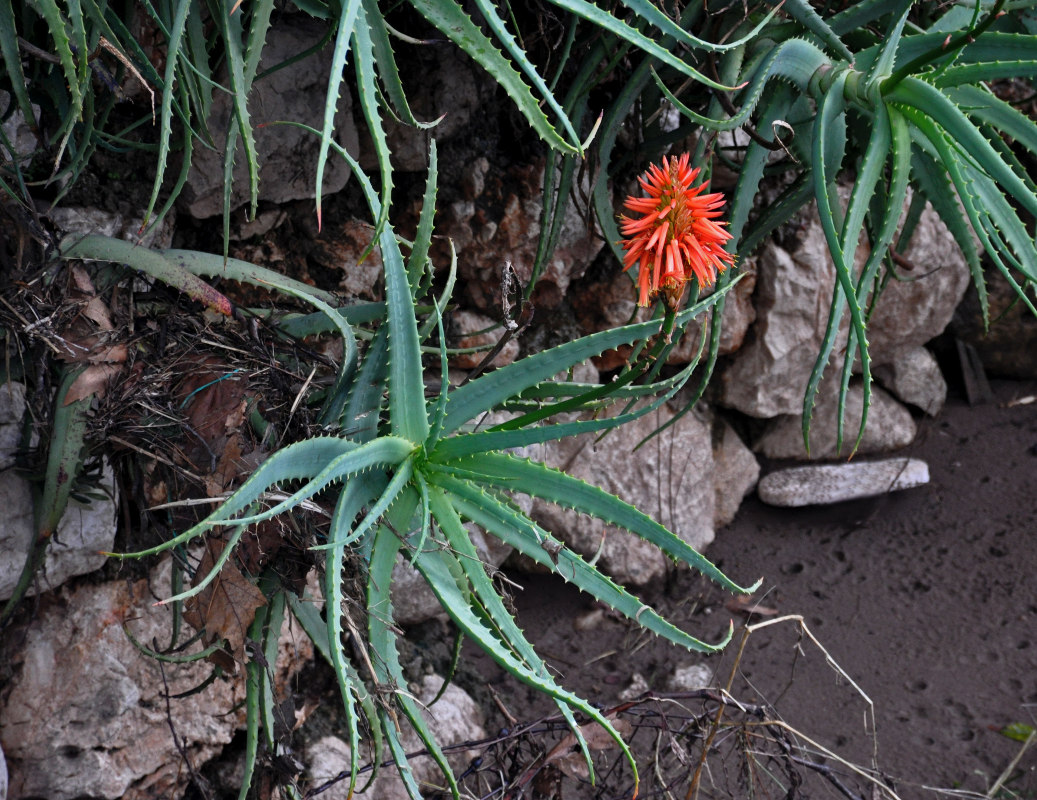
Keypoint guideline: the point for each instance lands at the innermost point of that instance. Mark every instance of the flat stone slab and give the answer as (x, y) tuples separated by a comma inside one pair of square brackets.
[(834, 483)]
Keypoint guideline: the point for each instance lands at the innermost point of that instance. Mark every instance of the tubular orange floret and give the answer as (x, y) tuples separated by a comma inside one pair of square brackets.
[(676, 238)]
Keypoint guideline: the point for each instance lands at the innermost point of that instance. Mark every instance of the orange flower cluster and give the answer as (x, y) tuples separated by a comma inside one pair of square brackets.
[(677, 238)]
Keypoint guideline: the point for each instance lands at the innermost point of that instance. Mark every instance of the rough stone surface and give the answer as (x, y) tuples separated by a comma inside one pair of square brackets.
[(287, 155), (124, 225), (690, 678), (453, 719), (914, 377), (87, 704), (917, 308), (12, 408), (501, 225), (833, 483), (84, 531), (734, 475), (413, 600), (793, 293), (739, 314), (669, 479), (340, 248), (889, 427), (452, 89), (466, 325)]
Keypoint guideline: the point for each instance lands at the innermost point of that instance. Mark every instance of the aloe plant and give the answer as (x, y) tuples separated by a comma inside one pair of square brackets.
[(406, 473), (922, 115)]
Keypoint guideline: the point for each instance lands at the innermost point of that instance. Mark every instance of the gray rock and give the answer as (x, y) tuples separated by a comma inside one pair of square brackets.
[(287, 155), (75, 549), (467, 326), (833, 483), (794, 289), (3, 775), (889, 427), (735, 472), (914, 377), (455, 718), (793, 292), (690, 678), (340, 247), (123, 225), (12, 409), (87, 704), (1007, 348), (670, 479), (413, 600), (913, 310), (739, 315), (20, 136), (91, 707)]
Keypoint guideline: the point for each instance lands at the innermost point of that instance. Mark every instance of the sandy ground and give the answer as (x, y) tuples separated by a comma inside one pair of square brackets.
[(926, 599)]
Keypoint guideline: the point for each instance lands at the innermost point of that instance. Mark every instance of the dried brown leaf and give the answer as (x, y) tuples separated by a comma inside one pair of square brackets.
[(225, 608), (93, 380), (568, 758)]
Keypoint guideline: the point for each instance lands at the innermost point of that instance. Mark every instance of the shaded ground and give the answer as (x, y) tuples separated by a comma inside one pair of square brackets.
[(927, 599)]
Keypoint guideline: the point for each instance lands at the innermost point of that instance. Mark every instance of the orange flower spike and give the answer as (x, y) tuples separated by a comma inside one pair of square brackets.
[(676, 238)]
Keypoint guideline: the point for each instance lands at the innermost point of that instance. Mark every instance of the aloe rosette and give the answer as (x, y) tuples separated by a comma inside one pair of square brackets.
[(900, 105), (407, 473)]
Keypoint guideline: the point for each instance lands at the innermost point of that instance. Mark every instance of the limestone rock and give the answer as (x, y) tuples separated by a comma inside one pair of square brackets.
[(833, 483), (501, 225), (450, 88), (793, 293), (690, 678), (455, 718), (123, 225), (669, 479), (467, 326), (91, 707), (340, 247), (12, 408), (287, 156), (734, 475), (889, 427), (915, 309), (794, 289), (739, 315), (414, 602), (84, 531), (914, 377)]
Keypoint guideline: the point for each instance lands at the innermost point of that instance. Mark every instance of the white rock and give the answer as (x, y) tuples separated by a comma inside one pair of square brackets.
[(914, 377), (889, 427), (454, 719), (670, 479), (470, 330), (911, 311), (87, 704), (123, 225), (735, 472), (833, 483), (83, 533), (287, 156), (793, 294), (12, 408), (690, 678)]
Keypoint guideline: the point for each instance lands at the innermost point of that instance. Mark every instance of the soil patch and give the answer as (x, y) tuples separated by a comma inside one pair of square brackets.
[(926, 599)]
